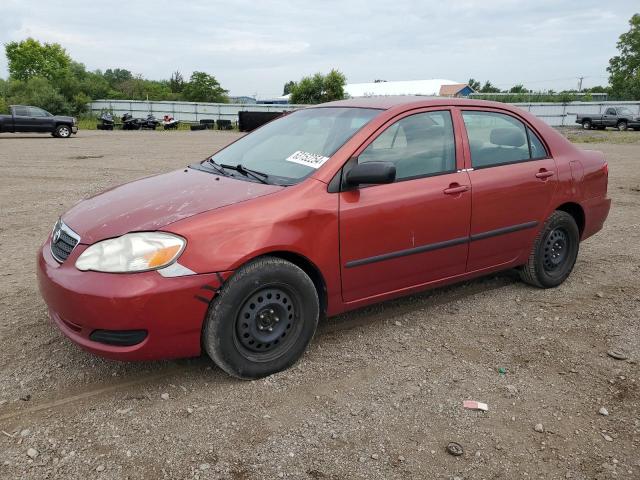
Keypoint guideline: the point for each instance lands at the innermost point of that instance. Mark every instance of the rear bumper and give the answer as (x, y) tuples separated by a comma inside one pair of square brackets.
[(596, 212), (170, 310)]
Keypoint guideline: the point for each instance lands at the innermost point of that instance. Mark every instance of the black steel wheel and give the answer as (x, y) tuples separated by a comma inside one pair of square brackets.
[(267, 323), (262, 320), (554, 252)]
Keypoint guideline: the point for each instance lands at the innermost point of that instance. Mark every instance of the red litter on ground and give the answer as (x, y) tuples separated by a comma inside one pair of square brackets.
[(473, 405)]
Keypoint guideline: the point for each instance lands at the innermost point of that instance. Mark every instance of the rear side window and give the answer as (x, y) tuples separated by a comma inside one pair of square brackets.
[(499, 139), (537, 147), (21, 111), (419, 145)]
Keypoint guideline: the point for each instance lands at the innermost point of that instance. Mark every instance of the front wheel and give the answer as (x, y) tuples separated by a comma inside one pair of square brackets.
[(262, 320), (554, 252), (63, 131), (622, 126)]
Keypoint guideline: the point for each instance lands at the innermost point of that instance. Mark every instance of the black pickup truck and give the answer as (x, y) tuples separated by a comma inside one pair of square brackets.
[(619, 117), (36, 120)]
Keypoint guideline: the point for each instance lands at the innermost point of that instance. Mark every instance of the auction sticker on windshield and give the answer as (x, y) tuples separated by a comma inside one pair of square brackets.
[(305, 158)]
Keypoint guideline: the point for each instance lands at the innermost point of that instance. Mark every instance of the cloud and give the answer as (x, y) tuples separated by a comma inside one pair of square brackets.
[(255, 47)]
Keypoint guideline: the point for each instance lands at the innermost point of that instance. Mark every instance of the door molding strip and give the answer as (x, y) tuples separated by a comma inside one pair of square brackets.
[(438, 245)]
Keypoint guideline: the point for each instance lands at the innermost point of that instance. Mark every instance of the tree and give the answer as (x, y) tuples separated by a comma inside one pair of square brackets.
[(287, 87), (39, 92), (489, 88), (176, 82), (30, 58), (474, 84), (624, 68), (117, 75), (519, 88), (203, 87), (319, 88)]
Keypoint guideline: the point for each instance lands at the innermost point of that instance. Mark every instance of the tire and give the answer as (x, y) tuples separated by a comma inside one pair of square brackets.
[(586, 124), (548, 266), (262, 319), (63, 131), (622, 126)]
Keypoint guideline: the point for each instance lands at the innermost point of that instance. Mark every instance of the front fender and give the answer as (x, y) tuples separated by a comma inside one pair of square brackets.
[(301, 219)]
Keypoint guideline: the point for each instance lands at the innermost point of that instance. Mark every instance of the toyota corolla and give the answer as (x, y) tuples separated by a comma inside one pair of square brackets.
[(324, 210)]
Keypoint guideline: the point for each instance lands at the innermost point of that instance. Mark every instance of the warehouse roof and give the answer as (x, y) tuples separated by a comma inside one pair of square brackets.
[(411, 87)]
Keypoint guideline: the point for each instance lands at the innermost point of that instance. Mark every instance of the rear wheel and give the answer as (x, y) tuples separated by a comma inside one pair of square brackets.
[(622, 126), (262, 320), (63, 131), (586, 124), (554, 252)]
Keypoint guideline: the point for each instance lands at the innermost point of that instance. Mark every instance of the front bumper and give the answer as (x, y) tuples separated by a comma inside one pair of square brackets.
[(74, 129), (170, 310)]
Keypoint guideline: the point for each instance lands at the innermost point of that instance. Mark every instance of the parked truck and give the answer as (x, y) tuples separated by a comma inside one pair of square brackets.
[(618, 117), (24, 118)]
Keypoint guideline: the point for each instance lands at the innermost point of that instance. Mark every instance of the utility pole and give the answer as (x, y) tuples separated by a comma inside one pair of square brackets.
[(580, 84)]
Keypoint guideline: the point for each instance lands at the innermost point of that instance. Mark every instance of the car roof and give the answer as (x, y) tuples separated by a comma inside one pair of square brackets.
[(411, 101)]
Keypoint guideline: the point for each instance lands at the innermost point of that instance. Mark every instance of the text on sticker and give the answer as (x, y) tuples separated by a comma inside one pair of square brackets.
[(305, 158)]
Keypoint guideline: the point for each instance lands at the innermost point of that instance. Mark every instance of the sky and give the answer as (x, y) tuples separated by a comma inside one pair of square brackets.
[(254, 47)]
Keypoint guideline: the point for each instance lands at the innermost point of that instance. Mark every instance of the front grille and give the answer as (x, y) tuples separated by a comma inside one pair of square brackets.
[(63, 241)]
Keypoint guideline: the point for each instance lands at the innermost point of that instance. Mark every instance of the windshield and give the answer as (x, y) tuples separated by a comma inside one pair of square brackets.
[(297, 144), (624, 111)]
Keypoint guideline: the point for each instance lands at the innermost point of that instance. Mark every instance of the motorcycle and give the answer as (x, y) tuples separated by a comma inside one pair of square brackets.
[(170, 123), (151, 122), (130, 123), (106, 121)]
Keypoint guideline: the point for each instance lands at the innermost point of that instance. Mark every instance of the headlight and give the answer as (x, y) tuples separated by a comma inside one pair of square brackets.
[(133, 252)]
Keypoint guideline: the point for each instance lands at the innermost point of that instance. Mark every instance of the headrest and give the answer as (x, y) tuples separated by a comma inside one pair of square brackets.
[(507, 137)]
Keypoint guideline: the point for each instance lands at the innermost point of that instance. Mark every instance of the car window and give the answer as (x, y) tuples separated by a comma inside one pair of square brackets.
[(495, 139), (37, 112), (21, 111), (536, 145), (610, 111), (419, 145)]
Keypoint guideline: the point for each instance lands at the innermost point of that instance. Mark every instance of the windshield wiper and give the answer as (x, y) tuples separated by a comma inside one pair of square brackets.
[(260, 176), (217, 166)]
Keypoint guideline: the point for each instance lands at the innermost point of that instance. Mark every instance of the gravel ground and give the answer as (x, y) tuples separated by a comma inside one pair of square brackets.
[(379, 393)]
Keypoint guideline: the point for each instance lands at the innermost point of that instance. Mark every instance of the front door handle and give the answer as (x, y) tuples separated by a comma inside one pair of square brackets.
[(544, 173), (456, 188)]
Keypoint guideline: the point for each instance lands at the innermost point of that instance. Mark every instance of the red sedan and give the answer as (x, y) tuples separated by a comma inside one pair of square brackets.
[(324, 210)]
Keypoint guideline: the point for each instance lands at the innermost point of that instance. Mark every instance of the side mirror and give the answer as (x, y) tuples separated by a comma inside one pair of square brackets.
[(371, 172)]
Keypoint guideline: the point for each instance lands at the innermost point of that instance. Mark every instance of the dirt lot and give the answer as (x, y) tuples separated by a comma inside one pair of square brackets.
[(378, 395)]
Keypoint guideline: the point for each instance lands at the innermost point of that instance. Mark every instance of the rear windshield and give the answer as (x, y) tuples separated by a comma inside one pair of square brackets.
[(291, 147)]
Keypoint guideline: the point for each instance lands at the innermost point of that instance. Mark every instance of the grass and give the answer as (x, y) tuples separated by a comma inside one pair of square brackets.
[(577, 135)]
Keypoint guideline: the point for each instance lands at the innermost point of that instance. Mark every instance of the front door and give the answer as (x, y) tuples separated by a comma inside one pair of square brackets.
[(415, 230), (41, 121), (513, 180)]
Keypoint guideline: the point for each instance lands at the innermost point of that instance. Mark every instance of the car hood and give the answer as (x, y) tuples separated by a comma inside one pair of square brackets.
[(154, 202), (63, 118)]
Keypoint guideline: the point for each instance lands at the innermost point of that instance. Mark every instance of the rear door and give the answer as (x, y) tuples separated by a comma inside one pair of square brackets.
[(22, 119), (513, 180), (610, 117), (414, 231)]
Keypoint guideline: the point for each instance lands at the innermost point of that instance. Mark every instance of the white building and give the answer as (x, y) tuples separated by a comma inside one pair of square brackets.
[(434, 87)]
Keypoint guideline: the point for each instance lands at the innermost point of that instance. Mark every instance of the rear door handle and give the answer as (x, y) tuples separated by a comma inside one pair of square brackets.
[(542, 174), (455, 188)]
